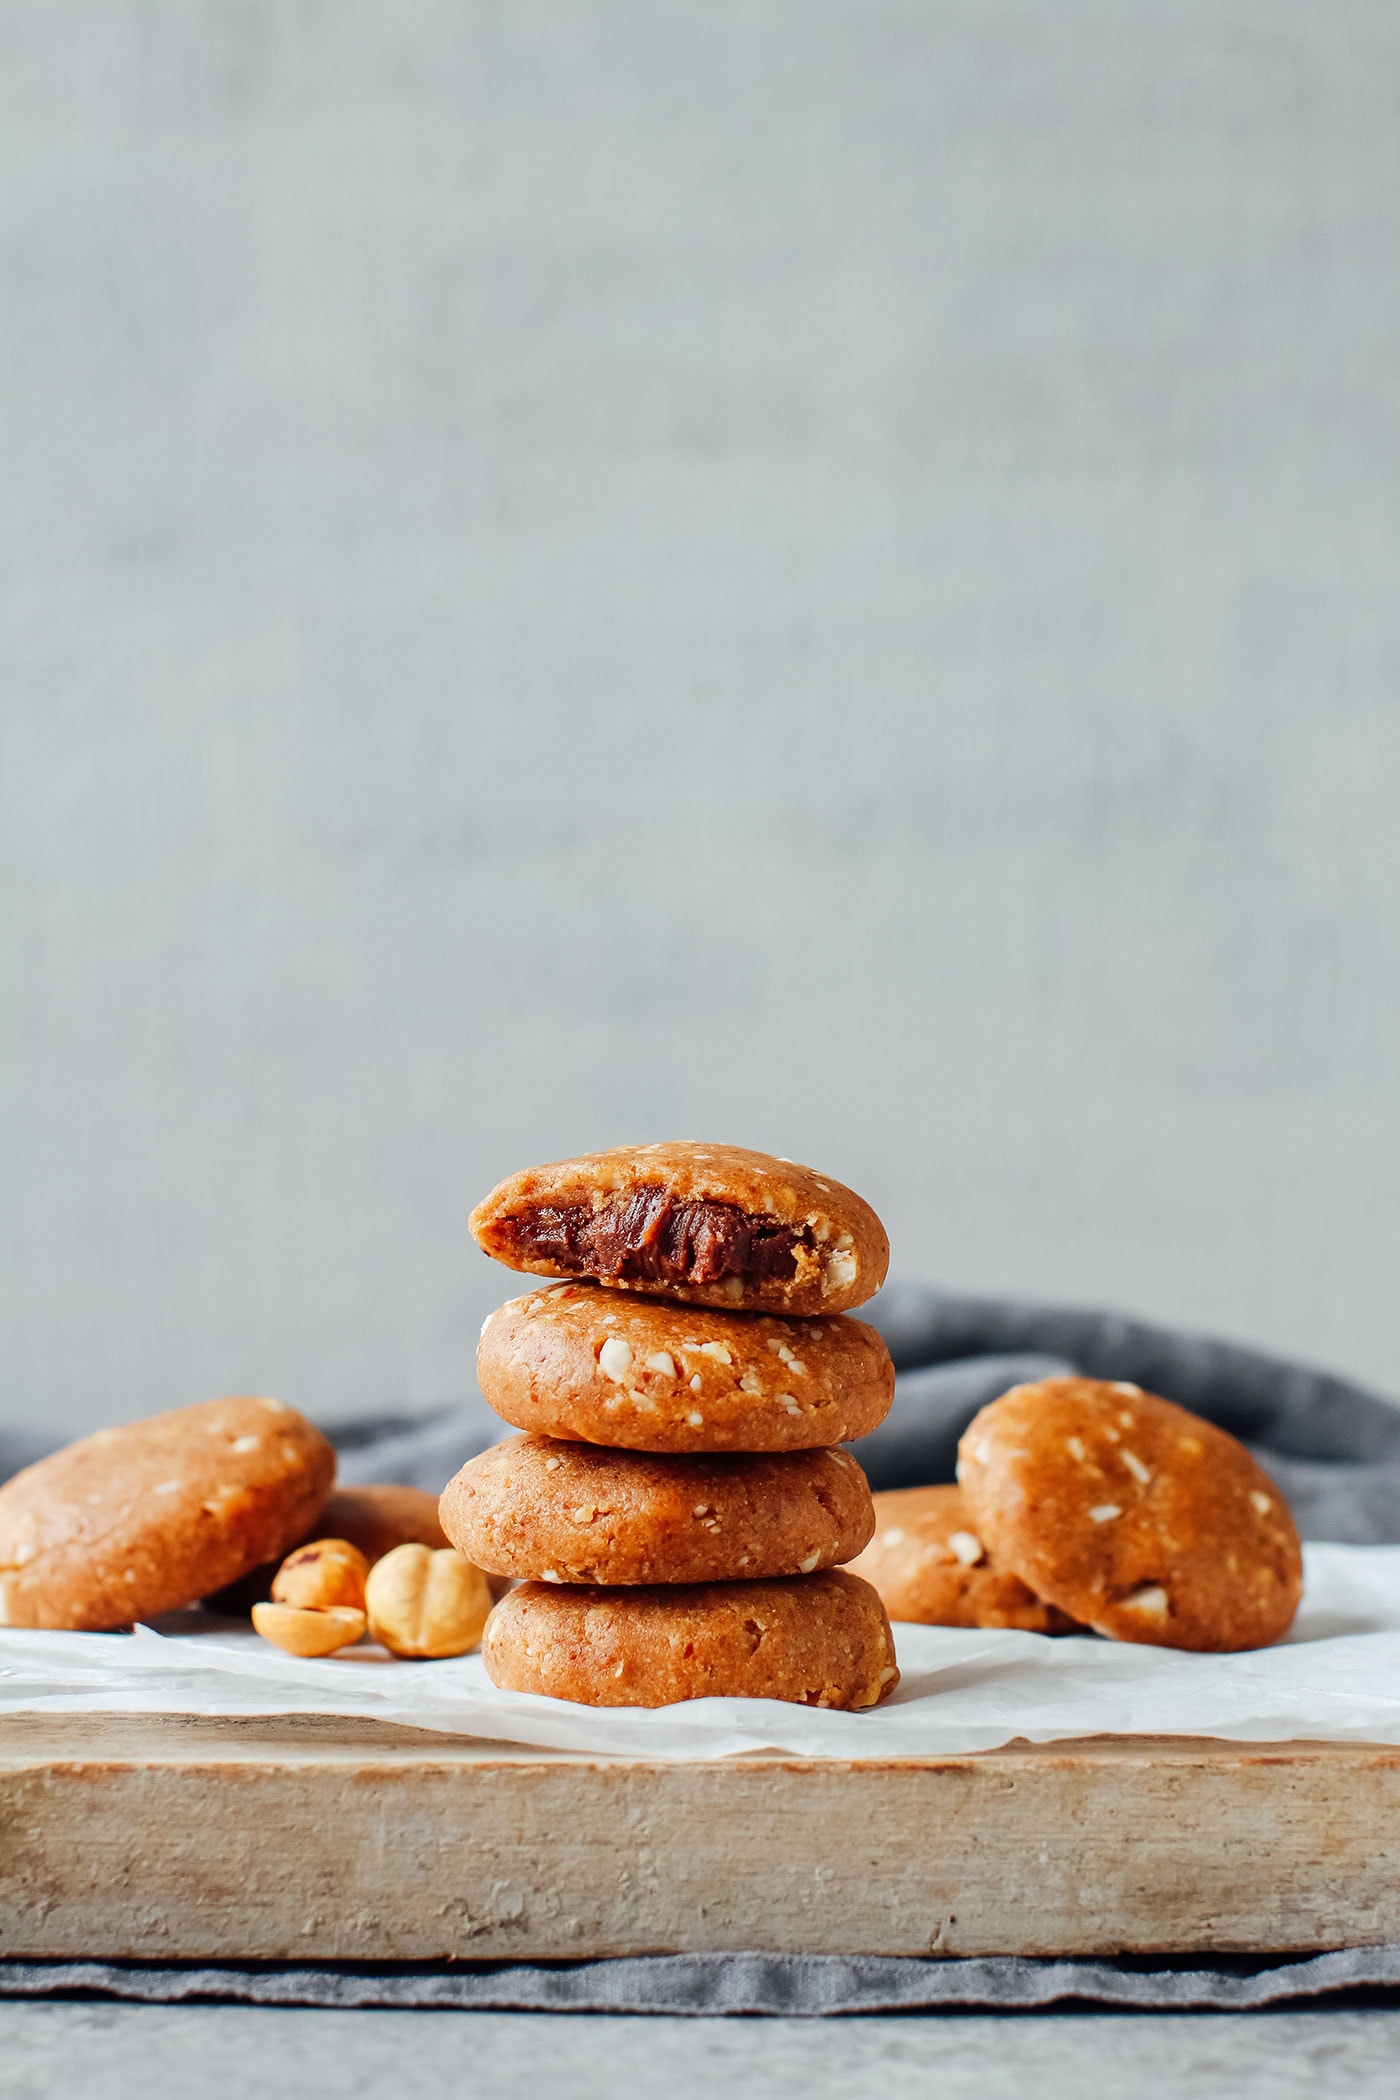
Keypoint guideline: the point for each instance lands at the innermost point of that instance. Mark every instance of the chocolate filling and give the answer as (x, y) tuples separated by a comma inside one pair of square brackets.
[(652, 1237)]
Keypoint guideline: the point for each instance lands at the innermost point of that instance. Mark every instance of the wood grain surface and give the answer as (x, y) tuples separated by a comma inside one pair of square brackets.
[(315, 1839)]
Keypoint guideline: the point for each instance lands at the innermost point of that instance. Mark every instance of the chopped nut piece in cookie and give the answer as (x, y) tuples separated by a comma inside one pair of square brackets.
[(615, 1358), (966, 1548)]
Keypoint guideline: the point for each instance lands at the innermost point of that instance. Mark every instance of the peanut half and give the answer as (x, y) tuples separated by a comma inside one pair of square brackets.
[(423, 1603), (303, 1632)]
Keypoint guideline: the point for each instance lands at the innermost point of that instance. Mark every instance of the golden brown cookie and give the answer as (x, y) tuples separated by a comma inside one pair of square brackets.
[(548, 1511), (817, 1640), (930, 1567), (639, 1374), (1132, 1515), (709, 1224), (376, 1519), (139, 1520)]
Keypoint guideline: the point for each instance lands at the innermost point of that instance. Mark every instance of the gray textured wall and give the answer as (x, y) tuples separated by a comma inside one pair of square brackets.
[(821, 572)]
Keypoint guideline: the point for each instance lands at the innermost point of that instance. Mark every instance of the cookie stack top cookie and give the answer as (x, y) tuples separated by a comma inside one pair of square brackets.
[(683, 1380), (707, 1224)]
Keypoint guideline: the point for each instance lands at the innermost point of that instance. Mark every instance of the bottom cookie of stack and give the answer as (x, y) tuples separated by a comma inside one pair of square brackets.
[(816, 1640)]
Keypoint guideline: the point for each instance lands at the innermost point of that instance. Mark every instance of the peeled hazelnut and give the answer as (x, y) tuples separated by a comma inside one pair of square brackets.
[(303, 1632), (422, 1603), (326, 1573)]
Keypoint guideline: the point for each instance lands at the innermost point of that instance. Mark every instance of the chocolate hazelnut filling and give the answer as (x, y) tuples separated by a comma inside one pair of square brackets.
[(652, 1237)]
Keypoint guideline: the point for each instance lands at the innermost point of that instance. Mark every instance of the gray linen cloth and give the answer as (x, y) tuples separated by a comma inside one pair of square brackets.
[(1334, 1449), (786, 1985)]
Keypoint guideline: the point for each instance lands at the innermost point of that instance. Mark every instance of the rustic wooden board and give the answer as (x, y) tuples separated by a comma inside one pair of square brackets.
[(174, 1838)]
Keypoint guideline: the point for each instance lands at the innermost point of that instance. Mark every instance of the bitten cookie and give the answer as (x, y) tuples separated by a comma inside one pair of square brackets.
[(930, 1566), (139, 1520), (563, 1512), (572, 1360), (817, 1640), (709, 1224), (1132, 1515)]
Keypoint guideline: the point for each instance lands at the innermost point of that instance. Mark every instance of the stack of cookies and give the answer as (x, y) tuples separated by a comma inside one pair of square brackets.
[(678, 1508)]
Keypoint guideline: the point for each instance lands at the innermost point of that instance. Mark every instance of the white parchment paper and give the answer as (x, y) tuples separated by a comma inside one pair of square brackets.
[(1336, 1675)]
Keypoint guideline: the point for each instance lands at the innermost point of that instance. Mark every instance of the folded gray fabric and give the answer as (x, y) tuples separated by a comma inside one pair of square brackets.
[(786, 1985), (1333, 1447)]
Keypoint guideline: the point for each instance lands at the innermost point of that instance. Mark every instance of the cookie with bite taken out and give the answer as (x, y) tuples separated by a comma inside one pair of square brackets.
[(708, 1224)]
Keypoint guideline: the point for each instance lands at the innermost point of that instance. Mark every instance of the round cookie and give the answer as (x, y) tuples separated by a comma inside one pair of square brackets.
[(566, 1512), (709, 1224), (930, 1566), (376, 1519), (573, 1360), (139, 1520), (1133, 1516), (817, 1640)]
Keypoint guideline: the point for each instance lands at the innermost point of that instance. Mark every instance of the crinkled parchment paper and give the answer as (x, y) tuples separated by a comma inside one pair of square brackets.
[(1337, 1675)]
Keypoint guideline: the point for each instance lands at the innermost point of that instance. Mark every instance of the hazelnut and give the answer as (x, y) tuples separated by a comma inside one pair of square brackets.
[(303, 1632), (318, 1577), (425, 1603)]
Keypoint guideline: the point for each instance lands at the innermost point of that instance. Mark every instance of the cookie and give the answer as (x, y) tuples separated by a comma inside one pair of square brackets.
[(1133, 1516), (709, 1224), (136, 1521), (565, 1512), (573, 1360), (376, 1519), (817, 1640), (931, 1567)]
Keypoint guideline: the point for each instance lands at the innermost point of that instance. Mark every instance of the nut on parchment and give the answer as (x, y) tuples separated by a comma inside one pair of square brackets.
[(321, 1575), (423, 1603), (303, 1632)]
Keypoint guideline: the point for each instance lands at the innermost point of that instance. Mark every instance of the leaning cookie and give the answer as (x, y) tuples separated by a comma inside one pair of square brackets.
[(709, 1224), (817, 1640), (136, 1521), (565, 1512), (572, 1360), (1133, 1516), (931, 1567)]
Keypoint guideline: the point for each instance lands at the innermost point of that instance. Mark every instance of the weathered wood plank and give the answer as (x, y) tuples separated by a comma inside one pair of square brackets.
[(316, 1839)]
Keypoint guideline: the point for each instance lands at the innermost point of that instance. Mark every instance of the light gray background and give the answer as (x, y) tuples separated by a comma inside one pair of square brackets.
[(818, 572)]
